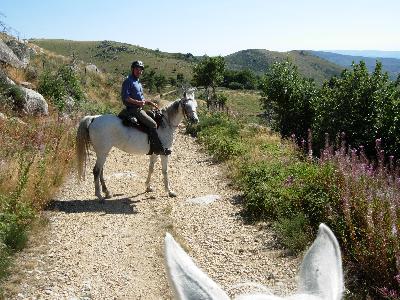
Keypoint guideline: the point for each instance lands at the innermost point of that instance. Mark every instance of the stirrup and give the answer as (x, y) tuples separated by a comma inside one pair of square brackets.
[(166, 151), (160, 152)]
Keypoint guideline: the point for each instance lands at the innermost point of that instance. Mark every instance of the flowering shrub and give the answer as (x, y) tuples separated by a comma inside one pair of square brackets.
[(356, 198)]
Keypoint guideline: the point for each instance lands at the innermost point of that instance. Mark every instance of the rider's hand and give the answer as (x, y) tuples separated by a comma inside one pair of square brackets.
[(152, 103)]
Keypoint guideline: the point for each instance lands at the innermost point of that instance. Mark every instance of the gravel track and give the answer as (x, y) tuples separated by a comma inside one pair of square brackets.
[(114, 250)]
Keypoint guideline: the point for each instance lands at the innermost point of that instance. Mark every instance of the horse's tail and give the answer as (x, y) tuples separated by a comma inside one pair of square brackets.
[(82, 145)]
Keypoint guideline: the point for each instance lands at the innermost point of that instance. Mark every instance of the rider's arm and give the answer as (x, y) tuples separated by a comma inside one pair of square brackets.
[(135, 102), (151, 103), (141, 102)]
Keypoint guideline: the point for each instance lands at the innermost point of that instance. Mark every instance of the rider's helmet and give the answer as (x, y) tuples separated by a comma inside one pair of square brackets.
[(137, 64)]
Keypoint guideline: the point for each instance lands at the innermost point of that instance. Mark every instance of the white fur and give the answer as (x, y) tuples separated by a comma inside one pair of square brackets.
[(321, 275), (107, 131)]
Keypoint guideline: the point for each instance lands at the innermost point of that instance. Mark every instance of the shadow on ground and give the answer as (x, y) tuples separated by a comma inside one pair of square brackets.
[(109, 206)]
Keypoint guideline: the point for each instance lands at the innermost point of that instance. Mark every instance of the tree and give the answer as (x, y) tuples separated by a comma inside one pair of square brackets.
[(180, 79), (160, 82), (149, 79), (287, 96), (209, 72), (363, 105), (244, 79)]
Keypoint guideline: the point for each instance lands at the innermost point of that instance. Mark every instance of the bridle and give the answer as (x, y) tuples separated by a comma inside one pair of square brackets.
[(182, 103)]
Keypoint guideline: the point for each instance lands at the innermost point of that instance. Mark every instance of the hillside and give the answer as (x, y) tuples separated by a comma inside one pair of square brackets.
[(115, 57), (390, 65), (260, 60)]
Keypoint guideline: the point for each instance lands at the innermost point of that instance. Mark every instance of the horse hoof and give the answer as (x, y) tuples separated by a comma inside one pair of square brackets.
[(172, 194), (150, 189), (108, 195), (100, 197)]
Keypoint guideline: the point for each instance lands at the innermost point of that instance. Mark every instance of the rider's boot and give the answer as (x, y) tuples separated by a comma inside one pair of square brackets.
[(156, 147)]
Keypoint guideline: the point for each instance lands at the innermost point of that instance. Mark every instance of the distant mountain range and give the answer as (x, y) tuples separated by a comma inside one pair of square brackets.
[(367, 53), (390, 65)]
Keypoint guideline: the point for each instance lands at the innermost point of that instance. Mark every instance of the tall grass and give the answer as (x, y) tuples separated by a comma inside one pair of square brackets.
[(358, 199), (34, 158)]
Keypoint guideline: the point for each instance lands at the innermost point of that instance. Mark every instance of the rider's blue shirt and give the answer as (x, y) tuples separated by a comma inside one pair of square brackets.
[(131, 88)]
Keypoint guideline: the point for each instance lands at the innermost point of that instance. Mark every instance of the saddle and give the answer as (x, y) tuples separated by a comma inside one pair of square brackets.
[(130, 121)]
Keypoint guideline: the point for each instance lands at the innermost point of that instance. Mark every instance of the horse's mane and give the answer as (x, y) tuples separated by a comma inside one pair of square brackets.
[(172, 108)]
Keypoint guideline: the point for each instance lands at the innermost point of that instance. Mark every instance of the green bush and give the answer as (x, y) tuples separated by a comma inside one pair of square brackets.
[(71, 83), (294, 233), (57, 86), (221, 135), (275, 189), (11, 95), (52, 87)]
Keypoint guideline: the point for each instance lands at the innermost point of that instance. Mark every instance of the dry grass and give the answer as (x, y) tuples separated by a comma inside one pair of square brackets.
[(45, 147)]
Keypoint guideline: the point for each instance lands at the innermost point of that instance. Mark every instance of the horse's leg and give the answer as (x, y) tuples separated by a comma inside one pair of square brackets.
[(96, 174), (164, 163), (103, 185), (153, 160)]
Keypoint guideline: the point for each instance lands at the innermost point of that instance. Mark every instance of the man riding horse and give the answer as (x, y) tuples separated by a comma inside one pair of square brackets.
[(134, 100)]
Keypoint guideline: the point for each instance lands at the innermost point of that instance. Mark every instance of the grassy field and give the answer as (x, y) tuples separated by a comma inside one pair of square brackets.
[(244, 104), (116, 58)]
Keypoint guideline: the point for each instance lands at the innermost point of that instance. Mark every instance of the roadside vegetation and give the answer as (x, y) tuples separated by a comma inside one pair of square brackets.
[(355, 191), (37, 152)]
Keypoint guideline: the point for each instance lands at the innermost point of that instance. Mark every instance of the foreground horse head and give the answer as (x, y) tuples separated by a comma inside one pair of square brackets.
[(321, 275)]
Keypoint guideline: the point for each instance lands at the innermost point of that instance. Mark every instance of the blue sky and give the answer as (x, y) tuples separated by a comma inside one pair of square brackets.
[(213, 27)]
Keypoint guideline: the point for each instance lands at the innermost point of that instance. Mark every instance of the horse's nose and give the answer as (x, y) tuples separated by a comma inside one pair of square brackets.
[(195, 120)]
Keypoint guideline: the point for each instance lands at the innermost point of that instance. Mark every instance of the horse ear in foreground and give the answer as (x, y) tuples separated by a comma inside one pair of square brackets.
[(106, 131), (321, 275)]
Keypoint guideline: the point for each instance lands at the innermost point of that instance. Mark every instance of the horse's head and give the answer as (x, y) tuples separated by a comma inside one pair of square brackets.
[(189, 105), (321, 275)]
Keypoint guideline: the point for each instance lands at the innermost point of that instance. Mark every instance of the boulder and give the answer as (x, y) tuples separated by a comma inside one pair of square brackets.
[(25, 84), (21, 50), (34, 104), (69, 104), (8, 56), (92, 68), (9, 81), (3, 117)]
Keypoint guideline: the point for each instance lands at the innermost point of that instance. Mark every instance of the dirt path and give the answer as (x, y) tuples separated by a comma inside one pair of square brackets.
[(114, 250)]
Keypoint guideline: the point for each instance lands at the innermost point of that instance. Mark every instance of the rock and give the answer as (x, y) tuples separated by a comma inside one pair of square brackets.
[(34, 104), (25, 84), (9, 81), (69, 104), (92, 68), (21, 50), (8, 56), (204, 199)]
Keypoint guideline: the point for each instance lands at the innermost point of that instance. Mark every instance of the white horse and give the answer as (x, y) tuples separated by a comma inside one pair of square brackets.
[(107, 131), (321, 275)]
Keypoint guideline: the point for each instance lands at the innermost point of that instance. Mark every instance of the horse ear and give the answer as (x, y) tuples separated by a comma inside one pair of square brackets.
[(321, 270), (187, 280)]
